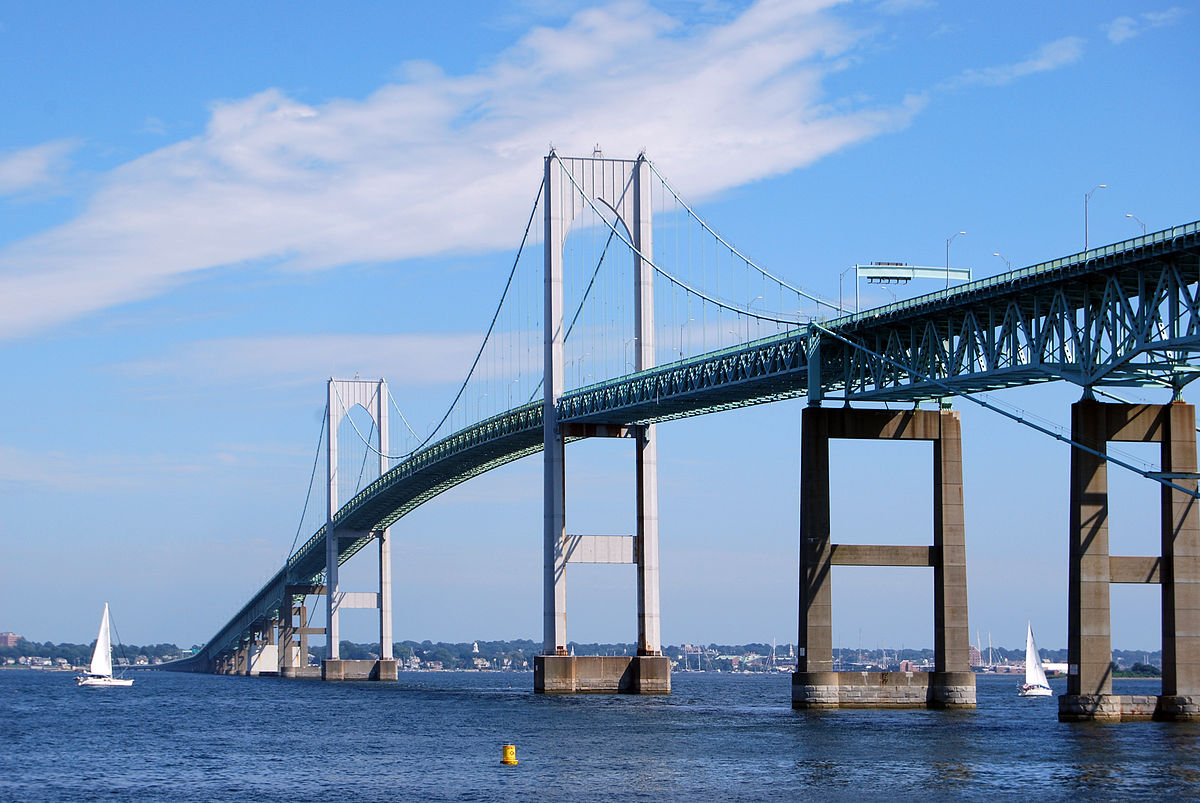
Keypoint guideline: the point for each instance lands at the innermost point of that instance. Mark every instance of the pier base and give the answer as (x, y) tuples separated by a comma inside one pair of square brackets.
[(312, 672), (601, 674), (358, 670), (1128, 708), (828, 690)]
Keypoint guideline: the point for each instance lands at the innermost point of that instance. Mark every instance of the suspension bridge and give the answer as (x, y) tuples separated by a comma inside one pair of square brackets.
[(623, 309)]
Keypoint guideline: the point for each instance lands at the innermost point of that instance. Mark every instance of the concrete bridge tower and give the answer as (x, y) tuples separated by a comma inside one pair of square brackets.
[(623, 186)]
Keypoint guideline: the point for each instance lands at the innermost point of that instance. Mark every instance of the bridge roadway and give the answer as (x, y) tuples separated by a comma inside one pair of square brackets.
[(1122, 314)]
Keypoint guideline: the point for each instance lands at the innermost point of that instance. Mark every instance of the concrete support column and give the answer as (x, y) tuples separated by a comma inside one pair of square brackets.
[(554, 585), (385, 595), (951, 630), (1180, 558), (287, 637), (384, 535), (1089, 642), (649, 623), (816, 595), (331, 542), (302, 617), (649, 619)]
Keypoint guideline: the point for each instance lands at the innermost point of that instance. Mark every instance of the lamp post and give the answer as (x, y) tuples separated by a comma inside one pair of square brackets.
[(949, 240), (841, 305), (1139, 220), (1006, 262), (682, 326), (749, 311), (1087, 196)]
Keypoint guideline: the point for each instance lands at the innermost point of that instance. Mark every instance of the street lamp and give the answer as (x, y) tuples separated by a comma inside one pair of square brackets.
[(1006, 262), (948, 241), (749, 315), (682, 326), (1087, 196), (1139, 220), (628, 363), (841, 305)]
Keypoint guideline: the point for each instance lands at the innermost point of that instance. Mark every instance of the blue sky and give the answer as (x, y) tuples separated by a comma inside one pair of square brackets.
[(207, 209)]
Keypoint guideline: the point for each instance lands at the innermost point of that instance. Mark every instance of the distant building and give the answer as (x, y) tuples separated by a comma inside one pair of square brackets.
[(908, 666), (976, 658), (9, 639)]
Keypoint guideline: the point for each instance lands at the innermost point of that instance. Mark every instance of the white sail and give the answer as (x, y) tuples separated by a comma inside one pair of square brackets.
[(102, 655), (1034, 674)]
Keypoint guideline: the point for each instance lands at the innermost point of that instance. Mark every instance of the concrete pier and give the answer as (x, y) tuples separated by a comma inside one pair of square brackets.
[(602, 674), (369, 669), (815, 685), (1091, 568)]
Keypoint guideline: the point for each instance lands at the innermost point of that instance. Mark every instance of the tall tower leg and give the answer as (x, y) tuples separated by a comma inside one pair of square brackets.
[(331, 541)]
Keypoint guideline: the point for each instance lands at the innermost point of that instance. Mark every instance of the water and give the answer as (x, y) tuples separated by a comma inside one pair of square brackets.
[(437, 736)]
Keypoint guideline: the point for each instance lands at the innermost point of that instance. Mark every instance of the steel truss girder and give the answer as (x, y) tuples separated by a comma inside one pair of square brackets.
[(1124, 314)]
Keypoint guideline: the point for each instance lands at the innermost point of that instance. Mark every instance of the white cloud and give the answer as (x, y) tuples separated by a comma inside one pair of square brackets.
[(442, 163), (1051, 56), (1125, 28), (1121, 28), (32, 168)]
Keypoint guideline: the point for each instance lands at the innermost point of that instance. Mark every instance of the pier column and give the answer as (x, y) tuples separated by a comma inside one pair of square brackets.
[(1091, 568), (1181, 567), (649, 626), (815, 685), (554, 583), (1089, 641), (287, 638)]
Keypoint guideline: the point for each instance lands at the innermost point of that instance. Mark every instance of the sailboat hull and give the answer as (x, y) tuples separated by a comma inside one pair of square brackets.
[(103, 681), (1035, 691)]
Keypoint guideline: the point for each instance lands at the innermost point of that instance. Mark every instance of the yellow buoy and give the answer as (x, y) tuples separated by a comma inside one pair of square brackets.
[(508, 754)]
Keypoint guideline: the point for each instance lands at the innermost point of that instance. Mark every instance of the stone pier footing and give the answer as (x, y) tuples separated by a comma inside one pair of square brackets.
[(1128, 708), (300, 672), (358, 670), (828, 690), (601, 674)]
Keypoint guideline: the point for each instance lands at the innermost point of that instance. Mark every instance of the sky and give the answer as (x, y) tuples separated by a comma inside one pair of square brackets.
[(206, 210)]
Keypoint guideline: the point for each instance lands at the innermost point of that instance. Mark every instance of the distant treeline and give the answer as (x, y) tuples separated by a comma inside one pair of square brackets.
[(80, 654), (520, 652)]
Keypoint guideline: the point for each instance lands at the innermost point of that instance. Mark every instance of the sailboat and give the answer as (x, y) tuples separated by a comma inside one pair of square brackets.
[(1035, 684), (100, 673)]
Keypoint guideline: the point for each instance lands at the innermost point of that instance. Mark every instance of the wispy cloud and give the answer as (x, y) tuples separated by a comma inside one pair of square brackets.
[(438, 163), (1125, 28), (93, 471), (33, 168), (902, 6), (1051, 56), (298, 360)]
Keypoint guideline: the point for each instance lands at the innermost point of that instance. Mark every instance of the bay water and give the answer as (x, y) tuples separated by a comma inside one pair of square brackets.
[(438, 736)]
